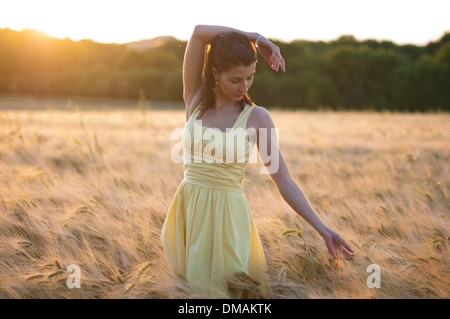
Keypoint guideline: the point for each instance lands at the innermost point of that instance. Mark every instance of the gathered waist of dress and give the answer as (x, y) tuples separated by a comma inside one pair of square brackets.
[(216, 175)]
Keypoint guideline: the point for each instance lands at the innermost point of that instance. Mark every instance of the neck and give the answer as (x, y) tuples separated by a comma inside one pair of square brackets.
[(223, 103)]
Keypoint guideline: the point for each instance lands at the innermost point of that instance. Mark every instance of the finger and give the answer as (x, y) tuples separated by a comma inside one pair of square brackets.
[(275, 66), (347, 246), (340, 252), (280, 64), (348, 256), (283, 65), (349, 253), (277, 63), (331, 250), (274, 53), (274, 61)]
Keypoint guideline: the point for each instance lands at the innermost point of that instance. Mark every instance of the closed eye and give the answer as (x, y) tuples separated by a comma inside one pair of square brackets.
[(237, 80)]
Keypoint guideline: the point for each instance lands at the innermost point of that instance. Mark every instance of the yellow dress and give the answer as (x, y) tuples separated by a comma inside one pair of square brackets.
[(209, 232)]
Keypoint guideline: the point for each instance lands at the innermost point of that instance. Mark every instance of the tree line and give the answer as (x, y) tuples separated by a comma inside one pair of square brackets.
[(340, 74)]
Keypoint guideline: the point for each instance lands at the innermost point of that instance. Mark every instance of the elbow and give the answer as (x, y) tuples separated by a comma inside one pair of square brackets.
[(289, 191), (285, 186), (197, 33), (290, 184), (198, 30)]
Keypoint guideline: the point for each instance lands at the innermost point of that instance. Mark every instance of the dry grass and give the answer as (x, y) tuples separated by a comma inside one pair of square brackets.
[(92, 188)]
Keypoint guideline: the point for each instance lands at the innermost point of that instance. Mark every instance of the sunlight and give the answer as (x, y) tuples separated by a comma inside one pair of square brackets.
[(117, 21)]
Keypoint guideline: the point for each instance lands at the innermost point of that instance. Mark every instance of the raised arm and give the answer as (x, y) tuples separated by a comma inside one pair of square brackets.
[(274, 162), (194, 59)]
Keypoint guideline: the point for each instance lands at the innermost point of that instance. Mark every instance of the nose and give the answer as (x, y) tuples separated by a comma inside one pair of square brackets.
[(244, 87)]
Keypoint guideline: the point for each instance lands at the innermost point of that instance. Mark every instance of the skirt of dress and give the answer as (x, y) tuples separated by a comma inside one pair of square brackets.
[(209, 235)]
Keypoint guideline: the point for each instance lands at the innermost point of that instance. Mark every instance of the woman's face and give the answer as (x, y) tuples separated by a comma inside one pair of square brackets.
[(235, 82)]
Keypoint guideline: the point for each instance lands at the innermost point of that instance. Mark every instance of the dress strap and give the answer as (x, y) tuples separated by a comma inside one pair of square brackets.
[(242, 120), (194, 114)]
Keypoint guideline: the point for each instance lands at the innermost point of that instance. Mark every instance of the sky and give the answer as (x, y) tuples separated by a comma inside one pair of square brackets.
[(401, 21)]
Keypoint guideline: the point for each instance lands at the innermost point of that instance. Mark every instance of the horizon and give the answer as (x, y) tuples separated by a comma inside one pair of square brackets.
[(402, 22), (281, 40)]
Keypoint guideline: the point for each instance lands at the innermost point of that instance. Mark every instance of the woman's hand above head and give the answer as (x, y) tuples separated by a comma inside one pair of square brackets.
[(271, 52)]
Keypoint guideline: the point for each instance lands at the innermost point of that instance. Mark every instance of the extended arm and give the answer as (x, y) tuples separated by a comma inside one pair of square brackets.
[(291, 192)]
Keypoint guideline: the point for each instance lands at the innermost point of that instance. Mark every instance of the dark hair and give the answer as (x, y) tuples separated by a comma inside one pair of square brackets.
[(224, 52)]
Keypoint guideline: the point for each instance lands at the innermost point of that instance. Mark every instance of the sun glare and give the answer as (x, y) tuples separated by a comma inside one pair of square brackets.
[(118, 21)]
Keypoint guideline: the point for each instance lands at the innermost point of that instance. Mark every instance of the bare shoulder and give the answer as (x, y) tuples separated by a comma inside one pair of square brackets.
[(260, 118)]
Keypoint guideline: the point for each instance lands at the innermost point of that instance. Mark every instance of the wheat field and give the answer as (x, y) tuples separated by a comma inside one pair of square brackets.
[(92, 187)]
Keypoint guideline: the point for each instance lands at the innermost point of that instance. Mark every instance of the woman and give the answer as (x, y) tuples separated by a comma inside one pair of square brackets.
[(209, 233)]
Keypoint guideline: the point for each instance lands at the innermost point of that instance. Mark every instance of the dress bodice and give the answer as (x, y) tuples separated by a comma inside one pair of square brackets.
[(215, 158)]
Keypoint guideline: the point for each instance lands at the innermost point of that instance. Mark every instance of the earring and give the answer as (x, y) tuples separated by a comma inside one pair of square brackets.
[(217, 82)]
